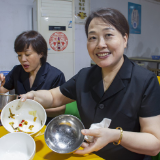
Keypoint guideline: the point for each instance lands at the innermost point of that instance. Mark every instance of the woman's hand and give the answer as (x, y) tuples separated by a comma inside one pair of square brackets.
[(47, 98), (146, 142), (29, 95), (2, 79), (102, 137), (2, 82), (44, 97)]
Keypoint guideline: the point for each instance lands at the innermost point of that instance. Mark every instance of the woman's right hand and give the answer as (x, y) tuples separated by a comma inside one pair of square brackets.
[(2, 79), (47, 98), (28, 95)]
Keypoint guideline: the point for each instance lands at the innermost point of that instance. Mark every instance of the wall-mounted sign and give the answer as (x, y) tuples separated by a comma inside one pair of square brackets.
[(58, 41), (82, 9), (134, 18)]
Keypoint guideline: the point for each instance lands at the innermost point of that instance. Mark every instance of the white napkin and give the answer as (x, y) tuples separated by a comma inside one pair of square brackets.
[(103, 124)]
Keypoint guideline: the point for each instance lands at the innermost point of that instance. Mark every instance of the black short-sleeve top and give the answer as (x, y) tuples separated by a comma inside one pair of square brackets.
[(134, 93), (47, 77)]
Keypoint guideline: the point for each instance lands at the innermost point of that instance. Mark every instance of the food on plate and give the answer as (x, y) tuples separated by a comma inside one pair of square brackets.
[(34, 119), (12, 123), (11, 114), (19, 130), (30, 127), (23, 122), (33, 113)]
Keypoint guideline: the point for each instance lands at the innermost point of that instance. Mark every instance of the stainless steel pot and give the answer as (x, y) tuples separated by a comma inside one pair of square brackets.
[(6, 98)]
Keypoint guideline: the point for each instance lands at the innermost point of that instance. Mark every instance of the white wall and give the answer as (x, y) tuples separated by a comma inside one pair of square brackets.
[(82, 58), (15, 17)]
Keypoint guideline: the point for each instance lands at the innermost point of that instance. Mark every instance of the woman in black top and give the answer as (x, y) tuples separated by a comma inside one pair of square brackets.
[(115, 88), (34, 73)]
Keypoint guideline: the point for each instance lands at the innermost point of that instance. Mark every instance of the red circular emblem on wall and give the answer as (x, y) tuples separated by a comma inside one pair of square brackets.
[(58, 41)]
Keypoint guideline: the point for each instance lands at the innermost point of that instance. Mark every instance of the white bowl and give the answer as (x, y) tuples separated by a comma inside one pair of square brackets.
[(27, 111), (17, 146)]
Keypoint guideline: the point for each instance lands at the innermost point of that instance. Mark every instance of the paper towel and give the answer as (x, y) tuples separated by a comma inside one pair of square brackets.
[(103, 124)]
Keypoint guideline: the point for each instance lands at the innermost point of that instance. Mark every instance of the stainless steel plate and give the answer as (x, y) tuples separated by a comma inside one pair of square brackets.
[(63, 134)]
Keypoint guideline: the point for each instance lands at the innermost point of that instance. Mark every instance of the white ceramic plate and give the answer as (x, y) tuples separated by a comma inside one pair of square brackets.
[(22, 111)]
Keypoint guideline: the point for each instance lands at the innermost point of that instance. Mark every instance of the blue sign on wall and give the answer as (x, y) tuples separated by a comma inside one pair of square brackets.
[(134, 18)]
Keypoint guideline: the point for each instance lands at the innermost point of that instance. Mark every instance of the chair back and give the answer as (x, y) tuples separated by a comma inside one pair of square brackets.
[(71, 108)]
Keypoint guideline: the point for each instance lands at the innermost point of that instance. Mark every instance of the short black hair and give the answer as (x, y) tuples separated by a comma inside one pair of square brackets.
[(111, 16), (33, 38)]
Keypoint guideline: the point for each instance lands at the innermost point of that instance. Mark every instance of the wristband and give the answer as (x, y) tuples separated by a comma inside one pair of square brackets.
[(120, 138)]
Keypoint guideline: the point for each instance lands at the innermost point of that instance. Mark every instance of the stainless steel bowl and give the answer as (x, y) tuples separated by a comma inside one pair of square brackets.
[(63, 134), (6, 98)]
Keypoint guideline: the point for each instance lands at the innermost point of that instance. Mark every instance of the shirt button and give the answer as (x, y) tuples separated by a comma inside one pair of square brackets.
[(101, 106)]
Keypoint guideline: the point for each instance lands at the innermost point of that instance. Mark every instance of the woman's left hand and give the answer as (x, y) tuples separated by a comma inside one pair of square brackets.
[(133, 141), (102, 137)]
